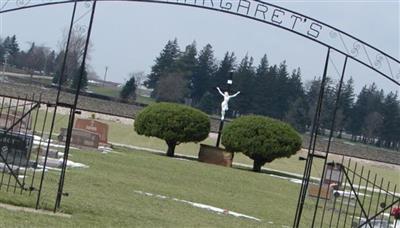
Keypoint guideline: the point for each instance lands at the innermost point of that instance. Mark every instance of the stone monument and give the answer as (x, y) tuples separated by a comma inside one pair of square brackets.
[(94, 126), (7, 121), (215, 154), (81, 137), (15, 148)]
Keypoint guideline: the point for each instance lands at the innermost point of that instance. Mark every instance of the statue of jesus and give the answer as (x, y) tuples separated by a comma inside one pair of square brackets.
[(224, 104)]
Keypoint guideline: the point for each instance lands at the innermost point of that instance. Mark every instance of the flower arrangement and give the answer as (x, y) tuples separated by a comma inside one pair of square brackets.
[(395, 212)]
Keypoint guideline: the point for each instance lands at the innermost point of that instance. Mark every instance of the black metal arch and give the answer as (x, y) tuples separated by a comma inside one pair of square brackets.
[(328, 36), (300, 24)]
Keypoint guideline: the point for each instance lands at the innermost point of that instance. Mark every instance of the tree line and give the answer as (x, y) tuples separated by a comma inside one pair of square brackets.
[(39, 59), (191, 76)]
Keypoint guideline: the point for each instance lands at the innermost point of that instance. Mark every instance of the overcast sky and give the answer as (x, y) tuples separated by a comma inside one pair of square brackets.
[(128, 36)]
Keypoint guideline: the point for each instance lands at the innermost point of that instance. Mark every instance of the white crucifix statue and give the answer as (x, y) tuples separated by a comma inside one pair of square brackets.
[(224, 104)]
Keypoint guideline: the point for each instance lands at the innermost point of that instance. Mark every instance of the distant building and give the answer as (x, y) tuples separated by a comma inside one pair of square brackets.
[(104, 83)]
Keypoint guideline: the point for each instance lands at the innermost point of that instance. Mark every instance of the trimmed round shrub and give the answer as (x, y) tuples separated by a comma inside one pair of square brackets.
[(173, 123), (261, 138)]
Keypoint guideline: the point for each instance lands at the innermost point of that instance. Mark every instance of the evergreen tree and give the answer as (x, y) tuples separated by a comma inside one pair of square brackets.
[(30, 59), (77, 76), (201, 81), (278, 93), (390, 131), (244, 79), (222, 75), (368, 101), (12, 48), (187, 64), (172, 87), (345, 106), (295, 86), (50, 63), (298, 107), (206, 103), (359, 112), (328, 104), (58, 67), (128, 92), (187, 61), (220, 78), (297, 115), (372, 127), (2, 51), (164, 64), (261, 90), (263, 67), (312, 94)]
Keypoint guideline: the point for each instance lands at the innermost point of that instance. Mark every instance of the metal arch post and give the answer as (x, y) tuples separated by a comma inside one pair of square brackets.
[(311, 148), (73, 111), (57, 99), (333, 125)]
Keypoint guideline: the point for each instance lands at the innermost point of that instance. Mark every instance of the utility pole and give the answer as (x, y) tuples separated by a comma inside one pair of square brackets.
[(105, 76)]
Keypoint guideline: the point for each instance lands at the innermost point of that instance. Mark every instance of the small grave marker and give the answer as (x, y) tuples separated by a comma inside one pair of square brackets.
[(80, 137), (333, 174), (326, 191), (15, 148), (94, 126), (215, 155), (7, 121)]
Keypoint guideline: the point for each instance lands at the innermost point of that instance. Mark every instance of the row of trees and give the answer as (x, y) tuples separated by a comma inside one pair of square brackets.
[(190, 76), (260, 138), (375, 118), (39, 59), (196, 75)]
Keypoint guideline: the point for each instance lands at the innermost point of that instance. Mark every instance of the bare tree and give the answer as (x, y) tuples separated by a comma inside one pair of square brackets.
[(75, 51), (139, 76), (92, 73)]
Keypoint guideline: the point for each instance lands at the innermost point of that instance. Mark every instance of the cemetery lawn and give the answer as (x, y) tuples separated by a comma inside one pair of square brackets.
[(107, 91), (104, 194), (125, 134)]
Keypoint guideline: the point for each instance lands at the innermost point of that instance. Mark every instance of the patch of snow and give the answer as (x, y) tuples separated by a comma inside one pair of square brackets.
[(293, 180), (349, 143), (296, 181), (72, 164), (350, 194), (202, 206), (40, 168)]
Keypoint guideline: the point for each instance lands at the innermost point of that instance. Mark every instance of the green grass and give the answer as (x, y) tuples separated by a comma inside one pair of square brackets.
[(107, 91), (144, 100), (114, 92), (103, 195), (125, 134)]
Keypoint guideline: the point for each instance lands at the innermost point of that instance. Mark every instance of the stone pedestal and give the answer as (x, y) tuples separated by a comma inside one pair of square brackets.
[(215, 155), (80, 137)]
